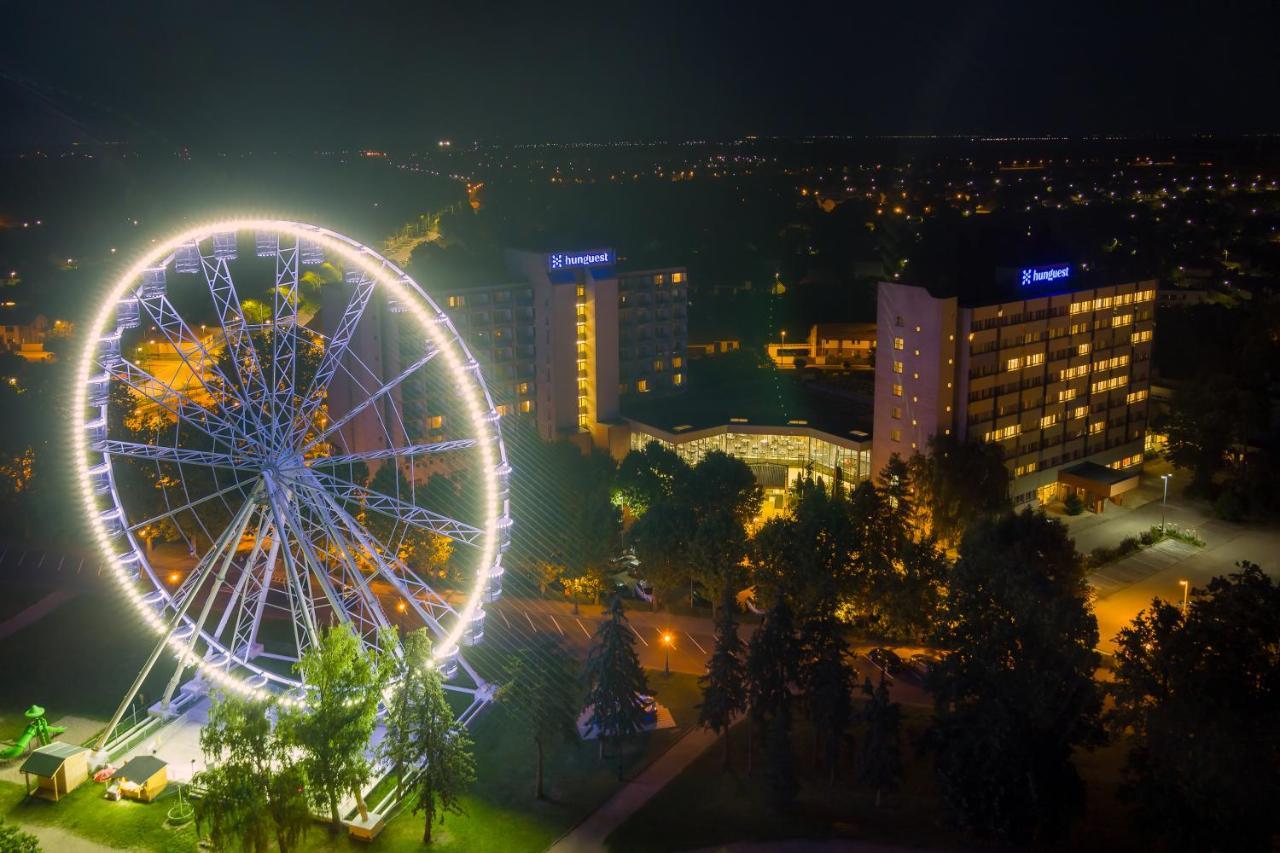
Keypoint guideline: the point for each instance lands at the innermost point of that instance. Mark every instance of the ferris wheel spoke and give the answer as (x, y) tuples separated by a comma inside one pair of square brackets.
[(244, 357), (368, 401), (395, 452), (186, 410), (284, 337), (189, 505), (352, 577), (246, 574), (176, 454), (335, 348), (431, 608), (184, 341), (310, 559), (411, 514)]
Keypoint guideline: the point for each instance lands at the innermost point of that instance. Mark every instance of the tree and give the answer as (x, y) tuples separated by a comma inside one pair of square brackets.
[(649, 475), (771, 670), (616, 684), (541, 690), (424, 736), (716, 552), (662, 538), (344, 681), (723, 481), (880, 759), (807, 557), (1015, 697), (958, 483), (825, 680), (724, 683), (1204, 421), (253, 788), (1199, 693), (14, 840)]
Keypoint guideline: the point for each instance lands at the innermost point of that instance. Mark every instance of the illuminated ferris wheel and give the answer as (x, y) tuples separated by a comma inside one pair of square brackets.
[(307, 437)]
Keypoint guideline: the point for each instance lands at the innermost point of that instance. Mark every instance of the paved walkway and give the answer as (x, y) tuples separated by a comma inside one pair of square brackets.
[(589, 836), (53, 838), (37, 611)]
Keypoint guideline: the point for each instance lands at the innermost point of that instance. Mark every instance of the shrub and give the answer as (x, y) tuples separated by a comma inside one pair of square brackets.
[(1230, 506), (1073, 505)]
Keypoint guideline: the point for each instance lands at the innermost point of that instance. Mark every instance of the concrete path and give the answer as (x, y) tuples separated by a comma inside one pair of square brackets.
[(37, 611), (54, 839), (589, 836)]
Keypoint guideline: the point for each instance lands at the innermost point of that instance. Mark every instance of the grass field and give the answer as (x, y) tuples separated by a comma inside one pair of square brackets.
[(732, 806), (501, 811)]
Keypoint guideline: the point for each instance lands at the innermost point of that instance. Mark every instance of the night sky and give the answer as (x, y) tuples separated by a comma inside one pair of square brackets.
[(322, 74)]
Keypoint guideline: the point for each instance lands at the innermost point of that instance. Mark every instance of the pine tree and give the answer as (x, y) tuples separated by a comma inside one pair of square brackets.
[(771, 669), (541, 690), (880, 759), (826, 679), (724, 684), (615, 681), (423, 733), (779, 759)]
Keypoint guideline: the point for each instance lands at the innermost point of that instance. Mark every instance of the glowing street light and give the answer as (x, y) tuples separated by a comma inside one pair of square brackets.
[(1186, 587), (668, 640), (1164, 501)]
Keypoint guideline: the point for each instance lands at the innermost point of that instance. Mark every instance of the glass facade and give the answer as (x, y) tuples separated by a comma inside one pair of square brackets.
[(796, 449)]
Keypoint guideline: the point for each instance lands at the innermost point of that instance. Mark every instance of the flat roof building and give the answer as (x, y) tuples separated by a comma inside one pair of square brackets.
[(1052, 365)]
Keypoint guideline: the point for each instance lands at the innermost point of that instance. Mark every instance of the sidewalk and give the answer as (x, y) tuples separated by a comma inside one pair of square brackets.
[(589, 836)]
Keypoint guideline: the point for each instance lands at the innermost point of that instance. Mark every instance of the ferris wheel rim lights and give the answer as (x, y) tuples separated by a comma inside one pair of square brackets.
[(410, 297)]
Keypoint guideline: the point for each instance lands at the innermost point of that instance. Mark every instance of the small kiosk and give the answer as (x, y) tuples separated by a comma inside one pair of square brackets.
[(142, 778), (58, 769)]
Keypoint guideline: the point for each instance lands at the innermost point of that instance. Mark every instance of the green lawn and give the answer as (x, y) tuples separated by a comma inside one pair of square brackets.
[(85, 812), (502, 813), (730, 806)]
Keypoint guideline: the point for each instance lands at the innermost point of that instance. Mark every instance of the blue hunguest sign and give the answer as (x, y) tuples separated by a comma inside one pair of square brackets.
[(1031, 276), (576, 260)]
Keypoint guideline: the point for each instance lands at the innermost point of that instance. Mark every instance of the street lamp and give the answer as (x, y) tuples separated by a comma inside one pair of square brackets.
[(667, 641), (1186, 587), (1164, 501)]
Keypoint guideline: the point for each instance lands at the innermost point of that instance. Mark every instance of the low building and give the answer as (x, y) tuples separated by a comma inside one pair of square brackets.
[(19, 326), (58, 769), (142, 778), (712, 348), (830, 346)]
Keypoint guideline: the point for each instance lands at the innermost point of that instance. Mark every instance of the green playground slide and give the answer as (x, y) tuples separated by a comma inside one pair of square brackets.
[(37, 728)]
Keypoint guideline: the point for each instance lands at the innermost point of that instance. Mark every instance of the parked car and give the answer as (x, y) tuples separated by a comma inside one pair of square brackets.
[(644, 591), (922, 664), (626, 560), (886, 660)]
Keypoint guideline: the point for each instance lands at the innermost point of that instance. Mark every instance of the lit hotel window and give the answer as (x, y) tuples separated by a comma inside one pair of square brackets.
[(677, 379), (895, 412), (457, 301), (522, 388), (642, 385), (659, 279), (895, 434), (1014, 364), (677, 362), (677, 277), (1083, 349), (898, 343), (436, 421), (897, 389), (503, 410), (526, 406), (897, 367)]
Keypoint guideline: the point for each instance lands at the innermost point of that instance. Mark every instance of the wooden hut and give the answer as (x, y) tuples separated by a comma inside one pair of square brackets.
[(142, 778), (58, 769)]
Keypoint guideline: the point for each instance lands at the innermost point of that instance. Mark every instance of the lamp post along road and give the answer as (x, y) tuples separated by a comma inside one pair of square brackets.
[(1164, 501)]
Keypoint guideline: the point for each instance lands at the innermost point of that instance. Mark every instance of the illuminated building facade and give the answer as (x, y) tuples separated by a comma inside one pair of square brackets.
[(778, 455), (1056, 371), (830, 346), (572, 335)]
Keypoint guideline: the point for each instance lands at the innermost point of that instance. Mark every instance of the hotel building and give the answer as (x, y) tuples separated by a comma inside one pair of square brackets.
[(1054, 369), (572, 335)]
